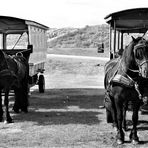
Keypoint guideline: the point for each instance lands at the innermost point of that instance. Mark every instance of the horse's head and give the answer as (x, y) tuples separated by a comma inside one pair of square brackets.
[(141, 57), (136, 56)]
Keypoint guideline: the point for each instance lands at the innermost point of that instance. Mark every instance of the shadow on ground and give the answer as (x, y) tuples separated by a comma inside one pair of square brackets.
[(64, 106), (61, 98)]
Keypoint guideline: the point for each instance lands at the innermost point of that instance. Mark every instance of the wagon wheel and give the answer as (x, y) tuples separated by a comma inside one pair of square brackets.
[(41, 83)]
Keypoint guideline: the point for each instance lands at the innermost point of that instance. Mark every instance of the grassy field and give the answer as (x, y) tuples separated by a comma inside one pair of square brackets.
[(78, 51), (79, 72), (74, 73), (74, 66)]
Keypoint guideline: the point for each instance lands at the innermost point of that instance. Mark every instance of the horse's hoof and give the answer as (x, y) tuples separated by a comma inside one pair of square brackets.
[(119, 141), (115, 129), (8, 121), (135, 142)]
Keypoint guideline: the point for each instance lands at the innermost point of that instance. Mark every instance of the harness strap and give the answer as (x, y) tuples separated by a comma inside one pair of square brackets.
[(137, 89), (115, 71), (133, 70), (127, 81), (7, 72), (146, 61)]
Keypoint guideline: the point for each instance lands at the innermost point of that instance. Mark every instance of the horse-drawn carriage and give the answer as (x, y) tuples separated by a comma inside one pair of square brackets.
[(126, 74), (29, 38), (23, 47)]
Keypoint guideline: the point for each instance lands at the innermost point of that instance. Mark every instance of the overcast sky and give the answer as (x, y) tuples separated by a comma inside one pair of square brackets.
[(66, 13)]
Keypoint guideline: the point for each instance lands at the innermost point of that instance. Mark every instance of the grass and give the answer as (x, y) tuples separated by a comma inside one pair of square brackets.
[(72, 66), (78, 51)]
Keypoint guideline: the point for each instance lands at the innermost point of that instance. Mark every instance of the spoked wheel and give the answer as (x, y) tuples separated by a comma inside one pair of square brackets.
[(41, 84)]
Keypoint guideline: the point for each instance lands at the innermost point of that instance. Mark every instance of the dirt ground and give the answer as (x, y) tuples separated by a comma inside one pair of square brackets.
[(68, 115)]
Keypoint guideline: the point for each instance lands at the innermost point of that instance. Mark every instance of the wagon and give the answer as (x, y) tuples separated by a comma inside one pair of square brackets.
[(29, 38), (124, 24)]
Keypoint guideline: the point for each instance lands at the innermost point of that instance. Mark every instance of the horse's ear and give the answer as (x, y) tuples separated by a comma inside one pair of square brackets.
[(133, 38)]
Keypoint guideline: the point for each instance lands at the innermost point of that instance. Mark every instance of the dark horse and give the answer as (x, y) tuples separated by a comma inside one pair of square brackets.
[(123, 77), (14, 72)]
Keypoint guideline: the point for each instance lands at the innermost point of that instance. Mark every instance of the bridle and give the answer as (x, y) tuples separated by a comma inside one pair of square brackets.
[(138, 62)]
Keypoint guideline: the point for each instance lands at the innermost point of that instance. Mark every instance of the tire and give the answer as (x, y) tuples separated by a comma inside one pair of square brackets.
[(41, 83)]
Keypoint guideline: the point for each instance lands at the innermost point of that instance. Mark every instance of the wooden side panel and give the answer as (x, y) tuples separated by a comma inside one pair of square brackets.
[(37, 38)]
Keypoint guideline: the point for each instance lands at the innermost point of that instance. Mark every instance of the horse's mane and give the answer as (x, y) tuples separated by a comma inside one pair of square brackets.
[(127, 55)]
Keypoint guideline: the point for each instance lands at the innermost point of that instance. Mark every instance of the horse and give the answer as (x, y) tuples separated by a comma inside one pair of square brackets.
[(122, 82), (14, 72)]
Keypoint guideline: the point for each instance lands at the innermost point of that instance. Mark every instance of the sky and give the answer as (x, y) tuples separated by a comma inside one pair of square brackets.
[(66, 13)]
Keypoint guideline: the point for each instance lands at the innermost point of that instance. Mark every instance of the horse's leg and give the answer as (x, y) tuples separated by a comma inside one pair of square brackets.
[(108, 106), (133, 135), (16, 106), (7, 118), (114, 113), (119, 108), (125, 107), (1, 107), (25, 90), (24, 96), (21, 100)]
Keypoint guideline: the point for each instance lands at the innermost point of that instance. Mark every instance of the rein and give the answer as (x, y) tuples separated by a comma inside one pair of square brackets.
[(139, 65), (133, 70)]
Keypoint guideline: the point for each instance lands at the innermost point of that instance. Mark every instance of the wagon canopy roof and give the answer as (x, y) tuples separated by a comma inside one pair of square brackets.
[(129, 20), (10, 24)]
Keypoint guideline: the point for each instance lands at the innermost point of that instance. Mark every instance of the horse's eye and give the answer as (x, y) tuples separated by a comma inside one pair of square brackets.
[(139, 54)]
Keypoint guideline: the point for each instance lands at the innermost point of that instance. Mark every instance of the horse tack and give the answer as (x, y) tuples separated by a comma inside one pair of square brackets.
[(19, 64), (113, 69), (17, 59), (118, 78), (126, 81), (7, 72), (115, 77)]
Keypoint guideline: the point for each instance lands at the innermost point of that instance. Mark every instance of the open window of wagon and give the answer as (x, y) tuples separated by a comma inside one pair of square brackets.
[(29, 38), (123, 25)]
